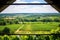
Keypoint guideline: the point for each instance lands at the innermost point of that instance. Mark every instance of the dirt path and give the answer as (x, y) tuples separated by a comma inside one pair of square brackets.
[(19, 29), (28, 30)]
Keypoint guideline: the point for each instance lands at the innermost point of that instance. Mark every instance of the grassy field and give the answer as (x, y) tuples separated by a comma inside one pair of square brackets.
[(29, 23), (32, 26), (40, 26), (13, 27)]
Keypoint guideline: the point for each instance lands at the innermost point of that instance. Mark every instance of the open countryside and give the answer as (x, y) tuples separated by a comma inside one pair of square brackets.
[(29, 23)]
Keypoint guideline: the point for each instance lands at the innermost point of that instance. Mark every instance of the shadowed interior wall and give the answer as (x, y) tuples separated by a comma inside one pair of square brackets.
[(3, 2), (55, 4)]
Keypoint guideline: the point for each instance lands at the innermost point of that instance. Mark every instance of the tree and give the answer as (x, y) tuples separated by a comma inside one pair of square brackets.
[(4, 23), (0, 38), (59, 25), (16, 38), (56, 20), (11, 22), (47, 38), (46, 20), (0, 32), (57, 31), (30, 38), (0, 23), (6, 38), (16, 22), (6, 30), (37, 37)]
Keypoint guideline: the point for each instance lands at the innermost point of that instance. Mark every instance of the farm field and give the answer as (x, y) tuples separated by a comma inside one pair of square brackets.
[(31, 27), (12, 27), (37, 27), (25, 23), (40, 26)]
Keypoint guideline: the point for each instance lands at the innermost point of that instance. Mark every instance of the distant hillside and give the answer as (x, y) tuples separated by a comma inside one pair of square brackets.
[(30, 14)]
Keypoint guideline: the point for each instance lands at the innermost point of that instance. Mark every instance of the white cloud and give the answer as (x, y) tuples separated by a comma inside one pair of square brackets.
[(20, 1), (29, 9), (35, 2)]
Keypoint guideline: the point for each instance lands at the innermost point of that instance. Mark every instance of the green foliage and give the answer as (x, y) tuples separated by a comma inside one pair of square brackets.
[(31, 22), (47, 38), (5, 38), (16, 22), (0, 38), (57, 20), (16, 38), (59, 25), (11, 22), (30, 38), (46, 20), (12, 27), (56, 31), (6, 30), (2, 23)]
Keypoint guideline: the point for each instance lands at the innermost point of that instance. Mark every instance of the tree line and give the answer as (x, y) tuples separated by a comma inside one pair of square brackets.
[(30, 37), (18, 20)]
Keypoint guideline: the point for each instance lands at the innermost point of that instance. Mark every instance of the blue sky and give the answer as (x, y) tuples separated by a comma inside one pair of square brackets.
[(30, 1), (33, 0)]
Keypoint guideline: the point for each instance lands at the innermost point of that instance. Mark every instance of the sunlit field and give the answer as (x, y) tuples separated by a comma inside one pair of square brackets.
[(25, 23), (12, 27)]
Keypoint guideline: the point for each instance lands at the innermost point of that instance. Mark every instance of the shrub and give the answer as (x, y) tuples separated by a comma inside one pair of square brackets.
[(6, 30)]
